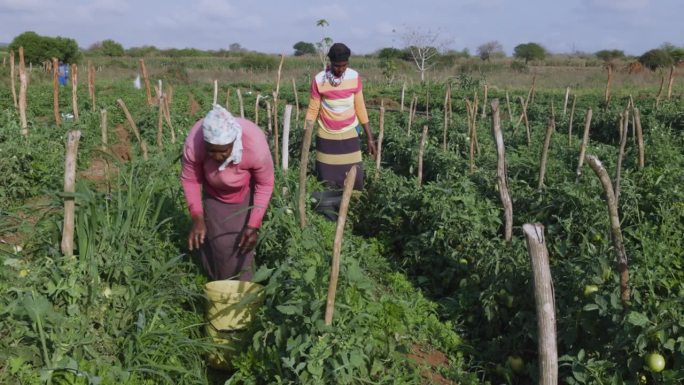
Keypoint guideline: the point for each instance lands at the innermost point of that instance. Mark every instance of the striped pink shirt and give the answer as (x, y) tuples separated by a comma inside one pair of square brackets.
[(231, 185), (339, 108)]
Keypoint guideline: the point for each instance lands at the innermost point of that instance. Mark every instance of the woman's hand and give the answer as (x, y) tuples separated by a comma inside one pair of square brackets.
[(371, 148), (248, 239), (197, 233)]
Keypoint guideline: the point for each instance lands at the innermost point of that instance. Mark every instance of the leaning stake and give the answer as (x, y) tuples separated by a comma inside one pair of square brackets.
[(545, 304), (303, 167), (337, 245), (616, 232), (501, 176)]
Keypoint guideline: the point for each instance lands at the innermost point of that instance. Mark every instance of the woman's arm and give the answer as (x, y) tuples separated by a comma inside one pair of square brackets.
[(362, 114)]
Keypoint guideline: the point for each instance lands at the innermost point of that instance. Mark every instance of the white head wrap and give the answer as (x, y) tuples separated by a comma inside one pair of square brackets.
[(220, 127)]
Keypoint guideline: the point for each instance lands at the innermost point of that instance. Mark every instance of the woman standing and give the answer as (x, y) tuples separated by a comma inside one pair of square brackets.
[(337, 100), (227, 167)]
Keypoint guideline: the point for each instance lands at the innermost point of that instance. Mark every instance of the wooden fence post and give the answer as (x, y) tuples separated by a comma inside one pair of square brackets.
[(616, 232), (23, 88), (421, 151), (103, 128), (669, 83), (13, 76), (640, 137), (545, 303), (502, 178), (381, 135), (296, 97), (585, 141), (287, 117), (303, 167), (572, 116), (545, 151), (55, 91), (134, 127), (146, 79), (337, 244), (67, 244), (74, 90)]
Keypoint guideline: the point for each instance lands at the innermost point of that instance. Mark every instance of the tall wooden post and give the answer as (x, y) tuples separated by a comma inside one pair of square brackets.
[(67, 244), (565, 103), (484, 102), (545, 303), (13, 76), (296, 97), (572, 116), (55, 91), (287, 117), (215, 99), (624, 125), (403, 92), (103, 128), (276, 140), (640, 137), (381, 135), (616, 232), (74, 90), (669, 83), (606, 97), (585, 141), (303, 167), (23, 88), (501, 177), (241, 103), (421, 151), (134, 128), (527, 122), (146, 79), (551, 127)]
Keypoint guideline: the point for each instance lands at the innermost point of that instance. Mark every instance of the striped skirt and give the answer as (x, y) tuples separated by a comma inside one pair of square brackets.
[(335, 155)]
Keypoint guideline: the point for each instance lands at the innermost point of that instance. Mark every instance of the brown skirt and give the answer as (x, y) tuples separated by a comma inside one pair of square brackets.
[(220, 254)]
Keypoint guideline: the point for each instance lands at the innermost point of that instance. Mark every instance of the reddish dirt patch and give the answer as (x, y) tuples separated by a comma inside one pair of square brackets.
[(388, 103), (430, 359), (19, 224), (100, 172), (122, 149)]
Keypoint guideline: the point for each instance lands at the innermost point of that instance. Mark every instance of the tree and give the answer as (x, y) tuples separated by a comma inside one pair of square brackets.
[(39, 48), (304, 48), (324, 45), (390, 53), (490, 49), (675, 52), (529, 51), (112, 48), (236, 47), (656, 58), (609, 55), (424, 47)]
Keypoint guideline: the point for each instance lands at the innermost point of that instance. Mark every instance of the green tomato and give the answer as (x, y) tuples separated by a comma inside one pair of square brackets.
[(590, 289), (655, 362), (463, 261), (516, 363)]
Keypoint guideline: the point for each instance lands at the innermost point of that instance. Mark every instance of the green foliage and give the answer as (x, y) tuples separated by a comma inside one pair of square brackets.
[(39, 48), (304, 48), (390, 53), (610, 54), (529, 51), (656, 58), (259, 61), (108, 48)]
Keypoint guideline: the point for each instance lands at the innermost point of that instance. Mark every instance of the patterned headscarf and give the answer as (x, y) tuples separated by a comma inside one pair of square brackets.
[(220, 127)]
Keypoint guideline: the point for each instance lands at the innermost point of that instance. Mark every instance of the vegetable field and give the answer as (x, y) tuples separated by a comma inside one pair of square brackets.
[(432, 289)]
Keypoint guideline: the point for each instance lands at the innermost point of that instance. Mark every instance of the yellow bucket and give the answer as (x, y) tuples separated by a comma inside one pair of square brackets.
[(230, 308)]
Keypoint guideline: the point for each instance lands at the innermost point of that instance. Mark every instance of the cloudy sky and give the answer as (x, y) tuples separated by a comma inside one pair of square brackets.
[(633, 26)]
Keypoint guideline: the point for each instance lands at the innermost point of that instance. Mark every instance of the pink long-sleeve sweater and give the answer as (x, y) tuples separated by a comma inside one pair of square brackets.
[(233, 183)]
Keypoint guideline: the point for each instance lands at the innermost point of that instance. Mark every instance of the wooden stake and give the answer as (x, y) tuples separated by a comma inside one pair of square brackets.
[(421, 151), (23, 88), (146, 79), (167, 117), (533, 92), (276, 140), (403, 91), (446, 118), (55, 91), (624, 125), (13, 79), (268, 117), (67, 244), (469, 110), (134, 128), (669, 83), (527, 122), (484, 102), (160, 124), (474, 116), (572, 116), (502, 178), (303, 167), (616, 232), (337, 244), (381, 135), (508, 106), (545, 303), (606, 98), (660, 90), (585, 141), (565, 104), (296, 97), (241, 103), (215, 93), (410, 116), (545, 151), (103, 128), (640, 137), (91, 86), (256, 108), (287, 116), (228, 99), (74, 90)]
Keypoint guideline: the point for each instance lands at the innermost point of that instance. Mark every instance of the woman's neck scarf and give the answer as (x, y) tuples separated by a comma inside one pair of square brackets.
[(220, 127)]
